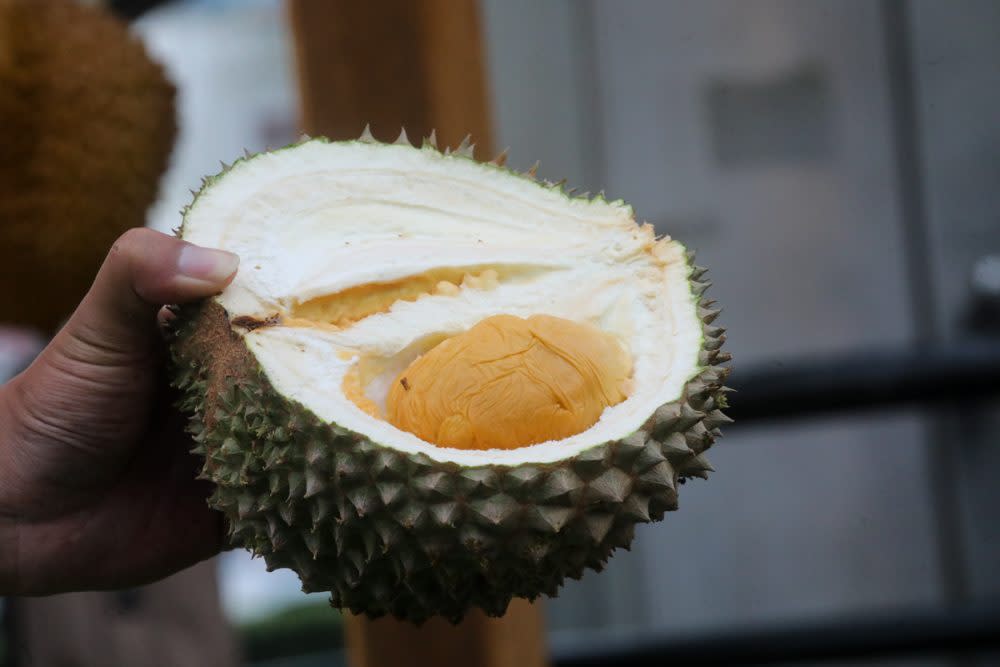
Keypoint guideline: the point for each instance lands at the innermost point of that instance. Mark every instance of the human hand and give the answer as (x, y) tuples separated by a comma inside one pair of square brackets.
[(97, 488)]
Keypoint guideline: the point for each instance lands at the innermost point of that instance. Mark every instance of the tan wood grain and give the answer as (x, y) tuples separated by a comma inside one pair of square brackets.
[(515, 640), (392, 63)]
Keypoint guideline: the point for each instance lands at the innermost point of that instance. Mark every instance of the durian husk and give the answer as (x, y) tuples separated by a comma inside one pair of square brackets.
[(389, 532), (86, 129)]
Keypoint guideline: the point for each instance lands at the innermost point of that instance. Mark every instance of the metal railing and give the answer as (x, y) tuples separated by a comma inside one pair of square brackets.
[(972, 630), (879, 379)]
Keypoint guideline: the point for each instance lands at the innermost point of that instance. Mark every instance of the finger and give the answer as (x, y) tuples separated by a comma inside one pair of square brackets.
[(164, 319), (144, 270)]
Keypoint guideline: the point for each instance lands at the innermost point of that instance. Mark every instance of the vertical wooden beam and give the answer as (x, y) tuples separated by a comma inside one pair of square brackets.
[(392, 63), (418, 65), (515, 640)]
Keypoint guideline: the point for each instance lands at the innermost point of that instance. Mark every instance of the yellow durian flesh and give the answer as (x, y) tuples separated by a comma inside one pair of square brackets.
[(510, 382)]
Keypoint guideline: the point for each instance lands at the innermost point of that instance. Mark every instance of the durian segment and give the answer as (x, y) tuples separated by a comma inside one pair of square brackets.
[(369, 237), (384, 521), (348, 306), (324, 217), (510, 382)]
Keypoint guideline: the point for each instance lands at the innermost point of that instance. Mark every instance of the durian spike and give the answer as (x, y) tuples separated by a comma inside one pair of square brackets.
[(533, 172), (247, 154), (559, 184), (431, 140), (367, 136), (303, 138), (466, 147), (501, 159), (402, 139)]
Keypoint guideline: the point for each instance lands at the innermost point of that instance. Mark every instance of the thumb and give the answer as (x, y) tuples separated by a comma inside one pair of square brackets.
[(90, 389), (144, 270)]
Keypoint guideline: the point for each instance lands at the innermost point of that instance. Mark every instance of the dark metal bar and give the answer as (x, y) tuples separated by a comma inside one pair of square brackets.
[(906, 143), (904, 107), (970, 630), (133, 9), (963, 372)]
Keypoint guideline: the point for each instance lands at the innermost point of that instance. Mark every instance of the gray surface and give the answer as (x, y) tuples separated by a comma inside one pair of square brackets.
[(957, 64), (534, 52), (806, 256)]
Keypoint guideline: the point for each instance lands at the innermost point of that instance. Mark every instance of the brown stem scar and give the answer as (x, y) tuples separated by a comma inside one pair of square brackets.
[(250, 323)]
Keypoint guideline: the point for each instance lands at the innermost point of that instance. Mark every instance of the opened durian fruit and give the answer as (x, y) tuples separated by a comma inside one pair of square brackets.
[(437, 383)]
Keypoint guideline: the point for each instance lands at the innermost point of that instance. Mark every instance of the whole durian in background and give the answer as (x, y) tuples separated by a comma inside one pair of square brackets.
[(86, 128), (435, 383)]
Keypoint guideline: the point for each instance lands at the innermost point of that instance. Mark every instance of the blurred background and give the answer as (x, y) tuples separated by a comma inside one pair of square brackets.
[(836, 164)]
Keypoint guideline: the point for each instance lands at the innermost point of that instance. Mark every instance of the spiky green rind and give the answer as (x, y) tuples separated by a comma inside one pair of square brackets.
[(387, 532), (393, 533)]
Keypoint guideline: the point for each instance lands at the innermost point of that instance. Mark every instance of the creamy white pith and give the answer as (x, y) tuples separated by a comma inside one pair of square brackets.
[(328, 217)]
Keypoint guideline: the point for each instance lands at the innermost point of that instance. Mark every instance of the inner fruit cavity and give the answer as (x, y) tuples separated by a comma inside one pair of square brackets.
[(510, 382), (356, 303)]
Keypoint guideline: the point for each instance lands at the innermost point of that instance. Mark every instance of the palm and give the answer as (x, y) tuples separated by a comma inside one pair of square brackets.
[(107, 478)]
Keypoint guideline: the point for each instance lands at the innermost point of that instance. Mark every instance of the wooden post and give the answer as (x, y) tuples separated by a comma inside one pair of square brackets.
[(392, 64), (418, 65), (515, 640)]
